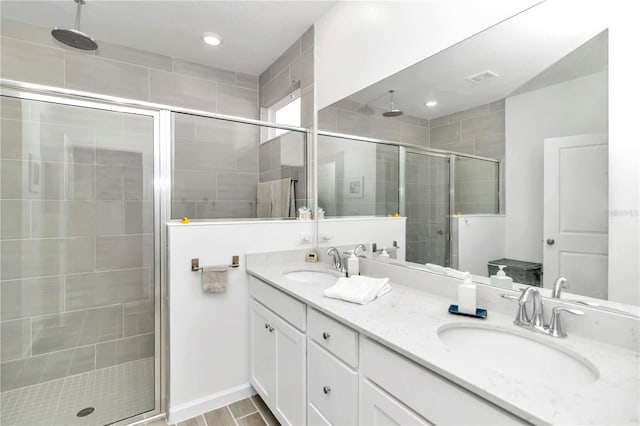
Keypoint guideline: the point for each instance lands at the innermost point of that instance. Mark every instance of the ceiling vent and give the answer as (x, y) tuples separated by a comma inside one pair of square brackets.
[(482, 76)]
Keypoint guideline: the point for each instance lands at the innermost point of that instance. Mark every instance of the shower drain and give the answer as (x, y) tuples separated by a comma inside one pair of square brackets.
[(85, 412)]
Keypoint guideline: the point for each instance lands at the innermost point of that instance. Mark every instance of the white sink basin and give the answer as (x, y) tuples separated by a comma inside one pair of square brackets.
[(530, 358), (312, 276)]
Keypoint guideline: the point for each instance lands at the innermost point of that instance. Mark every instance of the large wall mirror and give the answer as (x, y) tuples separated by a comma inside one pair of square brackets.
[(495, 149)]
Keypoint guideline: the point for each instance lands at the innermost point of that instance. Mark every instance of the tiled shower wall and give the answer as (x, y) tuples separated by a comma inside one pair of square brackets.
[(477, 131), (285, 156), (76, 241), (30, 54)]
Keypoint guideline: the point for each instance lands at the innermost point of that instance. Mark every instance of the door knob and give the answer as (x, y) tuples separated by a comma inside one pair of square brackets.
[(550, 241)]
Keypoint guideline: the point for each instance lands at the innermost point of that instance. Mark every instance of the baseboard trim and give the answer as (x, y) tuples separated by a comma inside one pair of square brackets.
[(183, 412)]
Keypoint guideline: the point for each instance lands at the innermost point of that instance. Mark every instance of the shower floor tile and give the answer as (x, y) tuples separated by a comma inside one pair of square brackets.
[(116, 393)]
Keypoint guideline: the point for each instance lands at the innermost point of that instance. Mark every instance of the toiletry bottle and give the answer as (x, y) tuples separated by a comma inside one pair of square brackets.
[(467, 296), (384, 254), (500, 279), (353, 265)]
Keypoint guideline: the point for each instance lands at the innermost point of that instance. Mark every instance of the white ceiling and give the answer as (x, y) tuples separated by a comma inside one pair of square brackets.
[(517, 50), (255, 32)]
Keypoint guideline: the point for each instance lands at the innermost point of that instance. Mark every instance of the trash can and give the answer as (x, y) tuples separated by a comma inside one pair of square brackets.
[(521, 271)]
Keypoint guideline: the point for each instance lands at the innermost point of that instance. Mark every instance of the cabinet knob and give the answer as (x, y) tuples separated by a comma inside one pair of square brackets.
[(266, 325), (271, 329), (326, 335), (326, 389)]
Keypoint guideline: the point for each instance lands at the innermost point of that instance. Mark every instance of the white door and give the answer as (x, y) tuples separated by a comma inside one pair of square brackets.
[(576, 213), (263, 352), (291, 373)]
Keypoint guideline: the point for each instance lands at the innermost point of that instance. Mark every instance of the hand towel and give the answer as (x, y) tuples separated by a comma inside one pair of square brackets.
[(264, 200), (358, 289), (214, 278), (436, 268), (454, 273)]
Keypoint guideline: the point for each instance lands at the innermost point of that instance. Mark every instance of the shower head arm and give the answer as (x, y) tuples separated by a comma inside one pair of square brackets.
[(78, 12)]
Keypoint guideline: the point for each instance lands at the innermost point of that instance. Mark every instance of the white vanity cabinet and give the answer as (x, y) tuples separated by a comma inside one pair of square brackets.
[(278, 357), (417, 389), (311, 368), (332, 380)]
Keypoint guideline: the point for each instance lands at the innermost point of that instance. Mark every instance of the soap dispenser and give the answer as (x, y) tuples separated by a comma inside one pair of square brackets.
[(500, 279), (467, 296), (353, 264)]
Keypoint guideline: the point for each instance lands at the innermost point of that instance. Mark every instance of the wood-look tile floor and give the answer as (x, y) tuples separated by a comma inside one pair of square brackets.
[(247, 412)]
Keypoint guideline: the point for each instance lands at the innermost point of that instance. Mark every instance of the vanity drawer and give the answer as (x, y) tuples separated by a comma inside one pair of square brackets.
[(284, 305), (332, 387), (433, 397), (334, 336)]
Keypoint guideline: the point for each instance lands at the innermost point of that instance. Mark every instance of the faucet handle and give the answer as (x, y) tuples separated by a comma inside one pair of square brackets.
[(555, 326), (509, 296)]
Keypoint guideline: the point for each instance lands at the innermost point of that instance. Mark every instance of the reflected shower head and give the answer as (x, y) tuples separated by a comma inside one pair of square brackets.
[(74, 37), (392, 112)]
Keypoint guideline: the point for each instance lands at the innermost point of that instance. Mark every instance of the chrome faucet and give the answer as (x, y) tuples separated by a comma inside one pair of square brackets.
[(359, 247), (337, 259), (558, 285), (536, 321)]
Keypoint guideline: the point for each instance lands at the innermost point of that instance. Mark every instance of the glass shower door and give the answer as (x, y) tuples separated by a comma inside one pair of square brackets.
[(427, 206), (77, 264)]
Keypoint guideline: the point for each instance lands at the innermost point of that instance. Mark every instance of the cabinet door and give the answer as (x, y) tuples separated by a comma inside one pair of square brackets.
[(378, 408), (262, 347), (291, 373)]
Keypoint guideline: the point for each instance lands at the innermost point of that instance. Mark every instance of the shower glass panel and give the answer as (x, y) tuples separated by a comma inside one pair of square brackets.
[(476, 186), (427, 201), (221, 169), (77, 276), (357, 178)]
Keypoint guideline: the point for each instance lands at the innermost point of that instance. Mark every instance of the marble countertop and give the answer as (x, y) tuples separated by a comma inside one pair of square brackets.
[(408, 319)]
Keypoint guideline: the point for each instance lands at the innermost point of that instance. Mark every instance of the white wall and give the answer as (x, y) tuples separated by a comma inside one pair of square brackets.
[(571, 108), (209, 333), (360, 43), (624, 154), (480, 240)]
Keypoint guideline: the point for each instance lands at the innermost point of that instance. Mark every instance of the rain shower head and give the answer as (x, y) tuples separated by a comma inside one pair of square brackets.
[(74, 37), (392, 112)]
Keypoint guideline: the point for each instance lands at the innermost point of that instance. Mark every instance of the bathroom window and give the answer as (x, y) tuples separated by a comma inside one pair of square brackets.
[(286, 111)]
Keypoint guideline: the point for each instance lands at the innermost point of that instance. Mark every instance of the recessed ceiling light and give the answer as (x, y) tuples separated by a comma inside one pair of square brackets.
[(211, 39), (431, 104)]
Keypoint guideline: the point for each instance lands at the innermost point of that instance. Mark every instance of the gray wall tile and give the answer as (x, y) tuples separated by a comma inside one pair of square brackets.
[(237, 186), (15, 219), (307, 38), (27, 32), (489, 124), (247, 159), (15, 341), (96, 289), (121, 252), (79, 255), (15, 181), (31, 297), (193, 155), (182, 90), (63, 331), (80, 182), (138, 217), (38, 369), (143, 58), (109, 217), (109, 183), (202, 71), (193, 185), (13, 108), (276, 89), (286, 58), (184, 126), (124, 350), (444, 135), (138, 318), (302, 69), (225, 209), (247, 81), (237, 101), (31, 62), (31, 258), (118, 78)]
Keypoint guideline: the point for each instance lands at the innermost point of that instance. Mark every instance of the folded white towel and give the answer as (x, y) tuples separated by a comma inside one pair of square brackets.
[(454, 273), (358, 289), (436, 268)]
